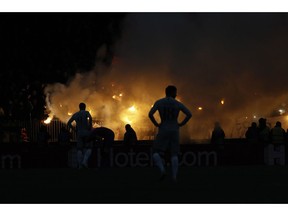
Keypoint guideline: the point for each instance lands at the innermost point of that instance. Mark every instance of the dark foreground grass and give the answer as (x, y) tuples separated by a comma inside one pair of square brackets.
[(237, 184)]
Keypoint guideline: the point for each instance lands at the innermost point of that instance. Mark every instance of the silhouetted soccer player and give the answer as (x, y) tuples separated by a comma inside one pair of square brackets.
[(83, 121), (168, 129)]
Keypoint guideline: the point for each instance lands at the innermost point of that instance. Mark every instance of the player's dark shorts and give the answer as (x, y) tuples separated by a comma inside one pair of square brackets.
[(167, 141)]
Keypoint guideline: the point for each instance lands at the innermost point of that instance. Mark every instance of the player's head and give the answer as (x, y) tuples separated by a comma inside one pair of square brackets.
[(82, 106), (171, 91)]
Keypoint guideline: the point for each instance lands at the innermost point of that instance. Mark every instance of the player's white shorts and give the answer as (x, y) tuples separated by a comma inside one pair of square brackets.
[(167, 140)]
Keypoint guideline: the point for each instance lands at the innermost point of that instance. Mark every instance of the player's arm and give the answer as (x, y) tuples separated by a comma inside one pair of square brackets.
[(187, 113), (69, 123), (151, 115), (90, 120)]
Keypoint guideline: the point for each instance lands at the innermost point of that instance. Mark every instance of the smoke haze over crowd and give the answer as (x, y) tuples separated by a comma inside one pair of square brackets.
[(233, 66)]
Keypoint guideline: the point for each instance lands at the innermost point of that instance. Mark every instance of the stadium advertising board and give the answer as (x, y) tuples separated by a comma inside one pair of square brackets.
[(57, 156), (142, 157)]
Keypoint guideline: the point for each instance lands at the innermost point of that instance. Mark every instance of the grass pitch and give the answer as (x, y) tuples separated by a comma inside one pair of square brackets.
[(234, 184)]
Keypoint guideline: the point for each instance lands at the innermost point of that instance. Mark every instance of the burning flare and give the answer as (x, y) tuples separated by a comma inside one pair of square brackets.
[(48, 120)]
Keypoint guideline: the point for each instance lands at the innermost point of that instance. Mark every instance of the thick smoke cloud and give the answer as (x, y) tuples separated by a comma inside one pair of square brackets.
[(238, 58)]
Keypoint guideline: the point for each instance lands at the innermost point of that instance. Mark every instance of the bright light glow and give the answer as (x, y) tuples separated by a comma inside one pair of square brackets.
[(130, 115), (127, 120), (116, 97), (222, 102), (69, 114), (200, 108), (132, 109), (48, 120), (120, 95), (281, 111), (254, 116)]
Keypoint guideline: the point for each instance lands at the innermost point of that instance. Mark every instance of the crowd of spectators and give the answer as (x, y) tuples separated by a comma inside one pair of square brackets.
[(21, 101)]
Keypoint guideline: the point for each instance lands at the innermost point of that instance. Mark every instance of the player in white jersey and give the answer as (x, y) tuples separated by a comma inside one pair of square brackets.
[(168, 129), (83, 121)]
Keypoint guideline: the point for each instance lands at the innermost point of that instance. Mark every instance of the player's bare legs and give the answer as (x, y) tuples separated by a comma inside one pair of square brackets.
[(87, 154), (159, 163)]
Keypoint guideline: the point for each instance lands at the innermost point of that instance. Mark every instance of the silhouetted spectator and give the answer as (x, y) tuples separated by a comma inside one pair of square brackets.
[(104, 135), (263, 139), (278, 139), (64, 136), (277, 134), (252, 133), (252, 136), (218, 135), (43, 135), (130, 137), (24, 135), (264, 132)]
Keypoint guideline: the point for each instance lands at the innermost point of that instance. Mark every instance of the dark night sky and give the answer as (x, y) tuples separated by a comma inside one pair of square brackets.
[(41, 44)]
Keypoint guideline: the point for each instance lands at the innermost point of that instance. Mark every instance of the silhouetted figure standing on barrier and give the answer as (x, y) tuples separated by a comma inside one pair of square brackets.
[(217, 140), (168, 129), (263, 139), (278, 138), (218, 135), (278, 135), (130, 137), (252, 133), (264, 131), (252, 139), (83, 121)]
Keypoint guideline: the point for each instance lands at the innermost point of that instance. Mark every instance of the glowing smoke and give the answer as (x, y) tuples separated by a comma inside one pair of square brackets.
[(211, 58)]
